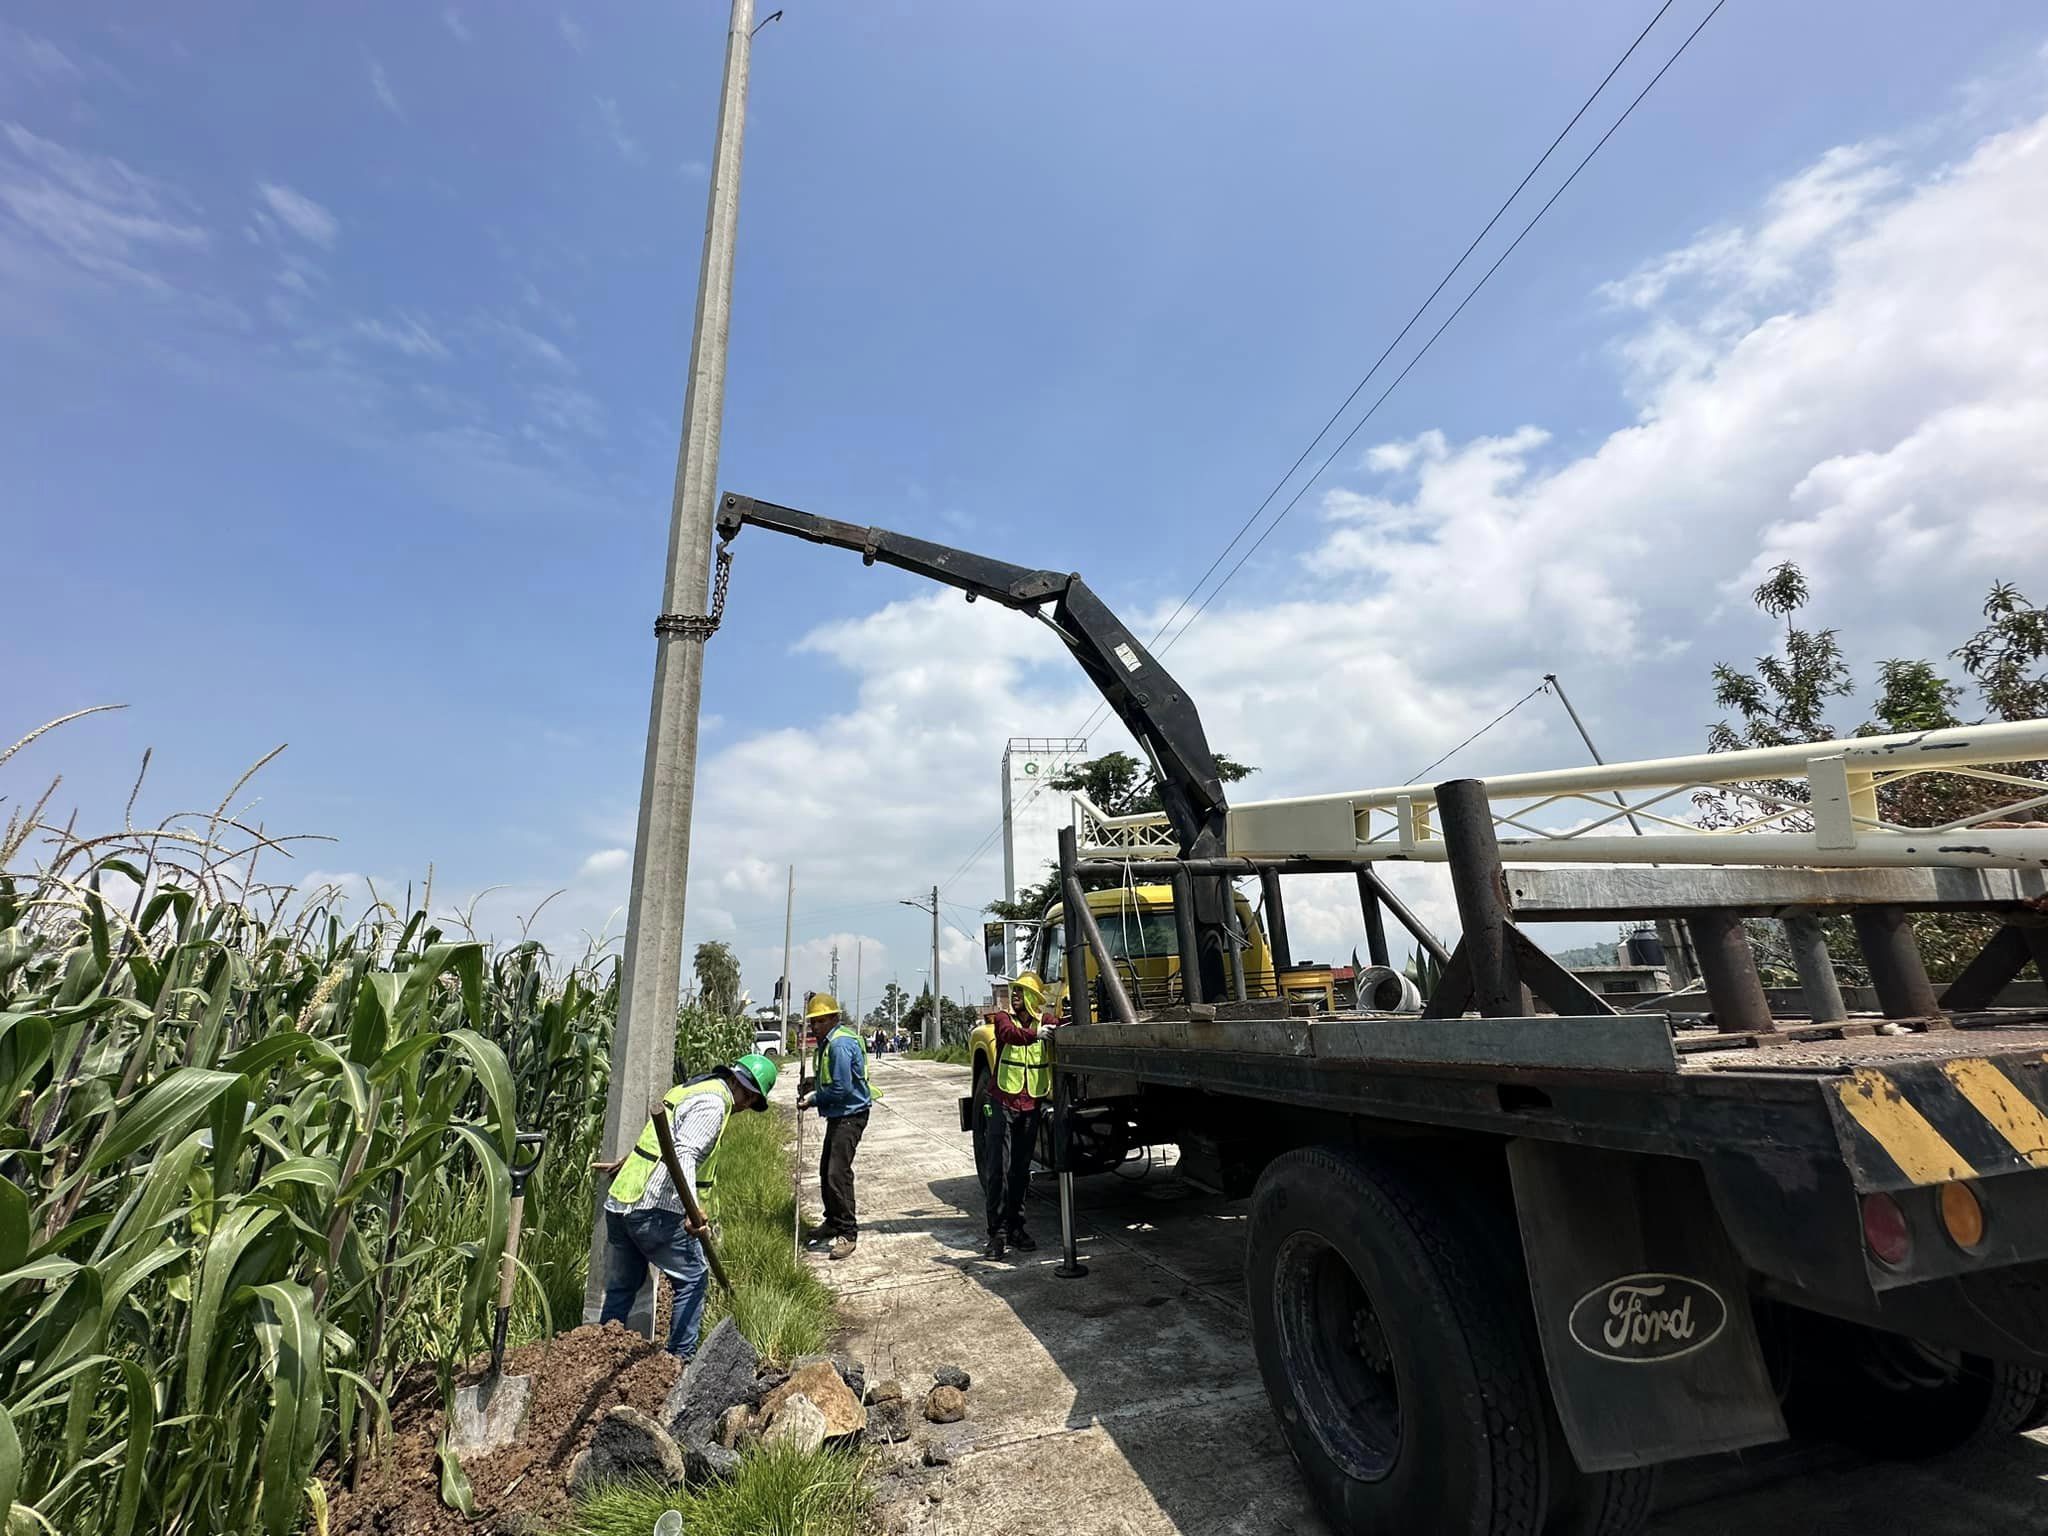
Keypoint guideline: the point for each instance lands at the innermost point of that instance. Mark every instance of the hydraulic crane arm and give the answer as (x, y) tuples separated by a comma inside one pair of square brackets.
[(1154, 707)]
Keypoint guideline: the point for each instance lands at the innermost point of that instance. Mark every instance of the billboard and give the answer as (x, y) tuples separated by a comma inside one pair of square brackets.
[(1033, 812)]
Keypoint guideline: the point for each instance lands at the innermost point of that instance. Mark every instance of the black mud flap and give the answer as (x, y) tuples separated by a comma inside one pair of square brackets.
[(967, 1116), (1642, 1308)]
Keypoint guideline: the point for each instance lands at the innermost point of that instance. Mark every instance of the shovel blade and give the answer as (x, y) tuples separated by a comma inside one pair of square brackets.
[(489, 1414)]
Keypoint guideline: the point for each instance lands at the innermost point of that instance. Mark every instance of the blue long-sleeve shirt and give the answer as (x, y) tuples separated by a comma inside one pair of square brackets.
[(847, 1092)]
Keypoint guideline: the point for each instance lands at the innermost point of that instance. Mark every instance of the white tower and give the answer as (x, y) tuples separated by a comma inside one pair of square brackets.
[(1033, 811)]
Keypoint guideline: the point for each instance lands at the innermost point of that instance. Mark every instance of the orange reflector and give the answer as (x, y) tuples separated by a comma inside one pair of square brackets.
[(1962, 1215)]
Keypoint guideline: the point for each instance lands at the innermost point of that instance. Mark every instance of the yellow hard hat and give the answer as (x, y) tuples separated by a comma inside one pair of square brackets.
[(823, 1005), (1030, 989)]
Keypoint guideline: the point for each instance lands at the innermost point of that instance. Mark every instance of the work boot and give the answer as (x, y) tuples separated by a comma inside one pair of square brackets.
[(1023, 1241), (843, 1249), (821, 1233), (994, 1248)]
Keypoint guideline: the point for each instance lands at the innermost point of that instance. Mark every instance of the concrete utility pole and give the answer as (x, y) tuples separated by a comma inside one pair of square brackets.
[(931, 1025), (788, 918), (858, 946), (643, 1041)]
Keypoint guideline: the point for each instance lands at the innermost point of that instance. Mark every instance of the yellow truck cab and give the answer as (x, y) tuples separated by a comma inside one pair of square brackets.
[(1138, 929)]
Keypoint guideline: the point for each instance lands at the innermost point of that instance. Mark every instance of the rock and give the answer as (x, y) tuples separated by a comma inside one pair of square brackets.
[(938, 1454), (769, 1379), (627, 1446), (952, 1376), (738, 1419), (849, 1371), (889, 1421), (799, 1422), (821, 1384), (945, 1405), (885, 1392), (721, 1376), (706, 1464)]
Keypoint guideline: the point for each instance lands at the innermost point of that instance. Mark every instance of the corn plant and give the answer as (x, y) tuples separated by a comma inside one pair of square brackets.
[(252, 1167)]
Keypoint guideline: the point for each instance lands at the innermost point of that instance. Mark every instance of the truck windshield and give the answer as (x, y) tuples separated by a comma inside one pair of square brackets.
[(1139, 934)]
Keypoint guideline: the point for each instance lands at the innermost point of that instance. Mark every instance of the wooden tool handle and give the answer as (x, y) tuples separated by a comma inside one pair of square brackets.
[(658, 1113), (508, 1271)]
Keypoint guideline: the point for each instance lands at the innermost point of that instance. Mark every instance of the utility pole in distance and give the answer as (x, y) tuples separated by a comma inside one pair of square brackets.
[(788, 987), (650, 975), (931, 1023)]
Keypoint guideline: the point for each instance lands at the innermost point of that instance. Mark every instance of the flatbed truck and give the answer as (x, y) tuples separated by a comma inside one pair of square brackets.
[(1509, 1255)]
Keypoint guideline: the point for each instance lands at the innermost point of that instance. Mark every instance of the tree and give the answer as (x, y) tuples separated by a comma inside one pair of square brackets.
[(889, 1013), (1117, 784), (1784, 700), (718, 977)]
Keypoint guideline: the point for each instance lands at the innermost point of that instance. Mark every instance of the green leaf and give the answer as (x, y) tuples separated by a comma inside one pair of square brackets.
[(478, 1288), (491, 1071), (10, 1461), (454, 1483), (170, 1108), (290, 1335), (370, 1029), (229, 1241), (13, 1225), (141, 1425)]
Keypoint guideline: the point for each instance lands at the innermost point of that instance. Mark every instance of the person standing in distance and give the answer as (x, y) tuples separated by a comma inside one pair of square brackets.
[(1017, 1098), (842, 1093)]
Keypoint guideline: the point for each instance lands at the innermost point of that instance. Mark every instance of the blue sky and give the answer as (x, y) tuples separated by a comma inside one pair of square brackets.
[(343, 357)]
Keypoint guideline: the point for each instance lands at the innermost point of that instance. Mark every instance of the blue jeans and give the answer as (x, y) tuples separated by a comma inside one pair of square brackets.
[(633, 1241)]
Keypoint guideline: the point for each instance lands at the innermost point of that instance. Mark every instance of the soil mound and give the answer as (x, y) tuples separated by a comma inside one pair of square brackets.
[(519, 1489)]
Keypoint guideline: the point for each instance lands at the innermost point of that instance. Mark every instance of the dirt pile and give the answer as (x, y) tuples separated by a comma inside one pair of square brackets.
[(519, 1489)]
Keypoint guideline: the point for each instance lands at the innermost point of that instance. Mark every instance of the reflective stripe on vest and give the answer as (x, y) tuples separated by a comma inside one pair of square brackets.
[(825, 1060), (645, 1157), (1023, 1069)]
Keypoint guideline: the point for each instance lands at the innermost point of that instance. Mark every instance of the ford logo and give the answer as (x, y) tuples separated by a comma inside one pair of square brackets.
[(1641, 1319)]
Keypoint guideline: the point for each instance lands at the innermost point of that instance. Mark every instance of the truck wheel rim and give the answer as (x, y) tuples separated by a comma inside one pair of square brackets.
[(1337, 1358)]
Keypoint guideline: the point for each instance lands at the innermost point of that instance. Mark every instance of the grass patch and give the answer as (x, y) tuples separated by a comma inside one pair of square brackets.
[(782, 1307), (779, 1491), (955, 1055)]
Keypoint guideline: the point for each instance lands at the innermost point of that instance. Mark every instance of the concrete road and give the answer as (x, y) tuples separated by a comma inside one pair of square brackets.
[(1127, 1403)]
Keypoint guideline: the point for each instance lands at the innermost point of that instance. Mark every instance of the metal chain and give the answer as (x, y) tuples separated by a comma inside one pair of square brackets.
[(702, 626)]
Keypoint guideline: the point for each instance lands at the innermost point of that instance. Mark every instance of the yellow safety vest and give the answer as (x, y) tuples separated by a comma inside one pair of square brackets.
[(1023, 1069), (825, 1059), (645, 1157)]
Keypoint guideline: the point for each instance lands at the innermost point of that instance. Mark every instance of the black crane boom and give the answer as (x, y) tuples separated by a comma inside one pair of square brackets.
[(1144, 695)]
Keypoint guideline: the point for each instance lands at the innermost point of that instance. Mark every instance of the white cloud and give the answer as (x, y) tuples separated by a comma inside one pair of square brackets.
[(452, 19), (25, 55), (615, 127), (1855, 384), (606, 861), (572, 32), (531, 345), (97, 212), (309, 220), (405, 334), (380, 87)]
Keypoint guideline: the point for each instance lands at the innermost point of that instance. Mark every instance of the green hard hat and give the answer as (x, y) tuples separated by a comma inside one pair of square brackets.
[(758, 1073)]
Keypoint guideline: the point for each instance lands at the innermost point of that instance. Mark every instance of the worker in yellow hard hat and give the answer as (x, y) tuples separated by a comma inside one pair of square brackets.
[(842, 1092), (1022, 1088)]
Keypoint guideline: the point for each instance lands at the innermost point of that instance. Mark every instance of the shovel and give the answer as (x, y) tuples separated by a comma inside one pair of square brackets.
[(490, 1413), (658, 1113)]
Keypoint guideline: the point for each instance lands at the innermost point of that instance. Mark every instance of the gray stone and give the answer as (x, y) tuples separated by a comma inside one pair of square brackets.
[(627, 1446), (889, 1421), (706, 1464), (952, 1376), (721, 1376), (938, 1454), (854, 1375), (945, 1405), (797, 1422)]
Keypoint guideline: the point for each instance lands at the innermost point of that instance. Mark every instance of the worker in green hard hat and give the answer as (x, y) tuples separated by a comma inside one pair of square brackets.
[(645, 1221)]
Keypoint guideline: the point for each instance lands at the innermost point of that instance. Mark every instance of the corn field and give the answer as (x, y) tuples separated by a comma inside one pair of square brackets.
[(253, 1169)]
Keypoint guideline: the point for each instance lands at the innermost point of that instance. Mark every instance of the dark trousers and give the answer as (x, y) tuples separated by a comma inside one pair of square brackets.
[(1012, 1138), (835, 1172)]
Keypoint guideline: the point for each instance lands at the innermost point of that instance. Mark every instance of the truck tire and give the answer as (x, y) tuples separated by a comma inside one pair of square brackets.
[(1393, 1341), (1890, 1396), (981, 1114), (1597, 1503)]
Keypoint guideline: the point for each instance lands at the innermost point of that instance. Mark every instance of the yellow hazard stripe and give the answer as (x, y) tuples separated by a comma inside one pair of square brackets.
[(1998, 1099), (1923, 1154)]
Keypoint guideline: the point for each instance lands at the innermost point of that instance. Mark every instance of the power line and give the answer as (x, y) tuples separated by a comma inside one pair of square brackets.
[(1423, 352), (1257, 512), (1416, 776)]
